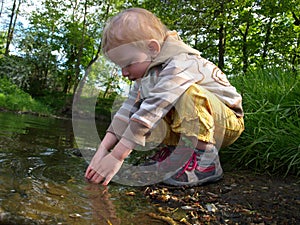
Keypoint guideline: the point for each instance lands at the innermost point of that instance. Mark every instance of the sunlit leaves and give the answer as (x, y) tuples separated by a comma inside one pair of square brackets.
[(64, 37)]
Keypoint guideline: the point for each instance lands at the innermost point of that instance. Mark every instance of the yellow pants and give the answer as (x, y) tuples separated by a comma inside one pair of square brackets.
[(200, 114)]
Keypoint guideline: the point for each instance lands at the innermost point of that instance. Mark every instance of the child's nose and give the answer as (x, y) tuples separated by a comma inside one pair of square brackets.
[(125, 72)]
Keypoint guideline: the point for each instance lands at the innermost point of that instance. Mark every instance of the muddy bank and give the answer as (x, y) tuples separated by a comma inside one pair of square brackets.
[(239, 198)]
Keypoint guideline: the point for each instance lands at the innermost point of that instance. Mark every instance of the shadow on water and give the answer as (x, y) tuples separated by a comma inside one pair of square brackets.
[(42, 178)]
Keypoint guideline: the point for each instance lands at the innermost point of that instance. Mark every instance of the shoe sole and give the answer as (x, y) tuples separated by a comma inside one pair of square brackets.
[(211, 179)]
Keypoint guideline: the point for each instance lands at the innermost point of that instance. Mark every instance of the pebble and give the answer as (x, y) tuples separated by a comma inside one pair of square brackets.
[(211, 208), (191, 191), (75, 215)]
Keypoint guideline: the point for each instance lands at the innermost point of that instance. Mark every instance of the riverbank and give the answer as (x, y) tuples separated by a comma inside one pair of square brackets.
[(33, 113), (241, 197)]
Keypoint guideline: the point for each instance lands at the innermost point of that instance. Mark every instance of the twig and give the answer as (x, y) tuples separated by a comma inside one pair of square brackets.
[(167, 219)]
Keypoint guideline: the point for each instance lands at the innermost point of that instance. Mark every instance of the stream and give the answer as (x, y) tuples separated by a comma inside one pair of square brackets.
[(42, 178)]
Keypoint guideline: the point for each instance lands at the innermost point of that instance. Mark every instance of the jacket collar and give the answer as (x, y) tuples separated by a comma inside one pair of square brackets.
[(172, 46)]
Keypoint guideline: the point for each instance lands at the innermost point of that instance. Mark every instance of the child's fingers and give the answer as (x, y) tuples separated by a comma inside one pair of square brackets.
[(107, 180), (93, 175), (97, 178), (96, 159), (89, 173)]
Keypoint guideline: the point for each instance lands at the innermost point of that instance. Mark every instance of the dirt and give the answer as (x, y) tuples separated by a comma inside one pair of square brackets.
[(239, 198)]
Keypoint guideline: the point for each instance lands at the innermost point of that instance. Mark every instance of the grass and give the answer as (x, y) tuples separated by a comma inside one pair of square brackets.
[(13, 98), (271, 140)]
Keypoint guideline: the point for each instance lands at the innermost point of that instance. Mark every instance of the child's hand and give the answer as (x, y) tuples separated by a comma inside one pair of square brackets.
[(101, 152), (106, 168)]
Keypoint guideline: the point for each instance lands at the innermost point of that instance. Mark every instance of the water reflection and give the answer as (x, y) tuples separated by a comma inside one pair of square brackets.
[(103, 208), (42, 178)]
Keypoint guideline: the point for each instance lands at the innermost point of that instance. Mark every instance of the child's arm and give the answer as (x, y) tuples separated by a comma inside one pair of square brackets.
[(121, 119), (110, 141)]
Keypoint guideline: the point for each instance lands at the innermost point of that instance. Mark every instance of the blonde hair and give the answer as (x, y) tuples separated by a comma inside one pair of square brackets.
[(132, 25)]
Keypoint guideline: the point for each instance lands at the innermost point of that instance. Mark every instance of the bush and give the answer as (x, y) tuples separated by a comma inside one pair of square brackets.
[(56, 101), (14, 99), (271, 140)]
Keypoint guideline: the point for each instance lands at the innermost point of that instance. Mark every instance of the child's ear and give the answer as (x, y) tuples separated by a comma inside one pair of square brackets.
[(154, 47)]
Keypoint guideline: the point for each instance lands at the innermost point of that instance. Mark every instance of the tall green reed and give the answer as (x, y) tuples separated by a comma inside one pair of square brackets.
[(271, 140)]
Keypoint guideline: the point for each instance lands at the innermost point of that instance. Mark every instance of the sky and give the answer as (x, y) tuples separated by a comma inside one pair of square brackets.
[(25, 9), (21, 19)]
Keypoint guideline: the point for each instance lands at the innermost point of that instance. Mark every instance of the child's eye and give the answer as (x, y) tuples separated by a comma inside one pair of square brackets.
[(127, 66)]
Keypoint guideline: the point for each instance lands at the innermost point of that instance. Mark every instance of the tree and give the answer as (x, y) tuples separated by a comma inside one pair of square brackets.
[(2, 42), (82, 42), (236, 35), (202, 24), (12, 23), (63, 39), (295, 51), (40, 46), (106, 76), (1, 7)]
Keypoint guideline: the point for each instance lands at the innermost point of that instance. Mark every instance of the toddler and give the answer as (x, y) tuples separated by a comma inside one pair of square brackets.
[(178, 99)]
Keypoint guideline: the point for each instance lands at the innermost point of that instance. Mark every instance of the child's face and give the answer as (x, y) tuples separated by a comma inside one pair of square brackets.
[(135, 71), (133, 61)]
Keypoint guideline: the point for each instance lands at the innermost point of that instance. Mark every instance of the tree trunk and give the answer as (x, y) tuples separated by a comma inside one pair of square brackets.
[(12, 24), (221, 44), (267, 39), (245, 47), (221, 63), (1, 8), (80, 50), (77, 94), (296, 55)]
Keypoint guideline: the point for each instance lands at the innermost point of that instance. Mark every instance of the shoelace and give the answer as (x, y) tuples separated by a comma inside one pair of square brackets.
[(190, 165), (162, 154)]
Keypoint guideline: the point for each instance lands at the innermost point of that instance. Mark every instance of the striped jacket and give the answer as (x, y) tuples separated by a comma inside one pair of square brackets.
[(172, 72)]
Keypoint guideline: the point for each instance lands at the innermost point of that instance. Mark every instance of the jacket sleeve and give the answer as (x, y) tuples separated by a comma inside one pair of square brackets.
[(164, 91), (120, 120)]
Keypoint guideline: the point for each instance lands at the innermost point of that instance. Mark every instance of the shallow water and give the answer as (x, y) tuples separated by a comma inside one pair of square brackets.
[(42, 178)]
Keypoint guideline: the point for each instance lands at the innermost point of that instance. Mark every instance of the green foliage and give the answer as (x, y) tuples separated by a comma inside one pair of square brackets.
[(58, 47), (13, 98), (271, 140), (56, 101), (104, 107), (2, 43), (106, 76), (244, 34)]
